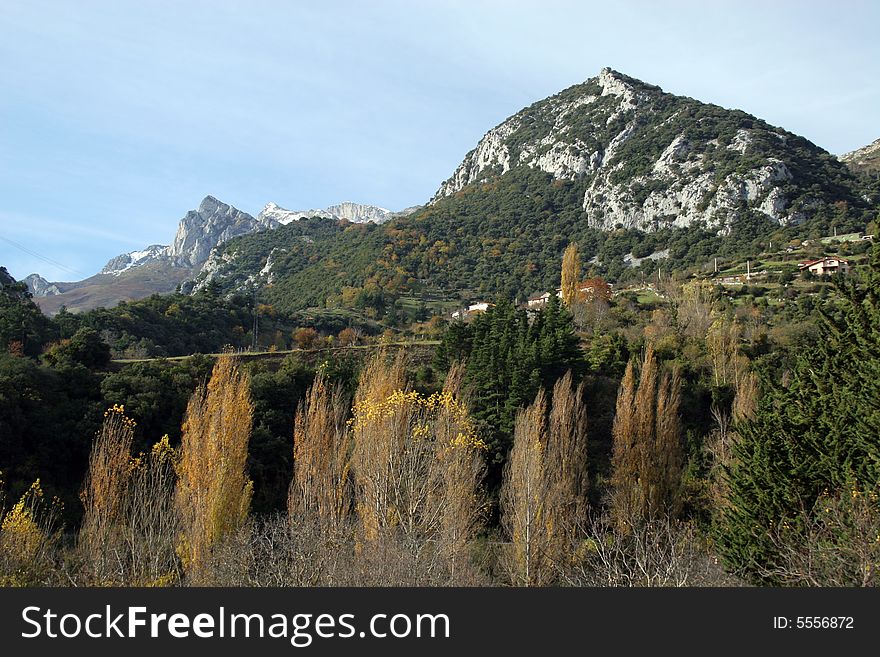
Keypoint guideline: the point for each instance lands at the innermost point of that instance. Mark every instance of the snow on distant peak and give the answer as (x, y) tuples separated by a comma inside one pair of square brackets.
[(357, 213), (126, 261)]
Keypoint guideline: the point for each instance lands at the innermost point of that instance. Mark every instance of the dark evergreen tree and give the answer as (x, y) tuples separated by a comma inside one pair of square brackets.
[(815, 437), (510, 354), (23, 327)]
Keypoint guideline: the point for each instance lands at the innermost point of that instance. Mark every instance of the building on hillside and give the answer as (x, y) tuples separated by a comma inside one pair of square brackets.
[(586, 288), (479, 307), (538, 301), (825, 265)]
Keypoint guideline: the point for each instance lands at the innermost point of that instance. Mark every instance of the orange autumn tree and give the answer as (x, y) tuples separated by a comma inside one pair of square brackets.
[(595, 289), (647, 454)]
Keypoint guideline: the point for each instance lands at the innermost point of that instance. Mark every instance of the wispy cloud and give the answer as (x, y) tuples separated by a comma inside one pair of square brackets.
[(34, 232)]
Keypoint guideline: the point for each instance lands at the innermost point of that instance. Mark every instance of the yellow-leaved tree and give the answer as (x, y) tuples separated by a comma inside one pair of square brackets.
[(213, 491), (571, 273), (418, 466), (321, 485), (103, 496), (28, 538)]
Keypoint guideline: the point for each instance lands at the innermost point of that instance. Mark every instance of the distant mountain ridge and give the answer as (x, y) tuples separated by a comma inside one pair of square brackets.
[(356, 213), (161, 268), (156, 269)]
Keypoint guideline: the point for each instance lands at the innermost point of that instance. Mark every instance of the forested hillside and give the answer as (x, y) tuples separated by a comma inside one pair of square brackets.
[(633, 439)]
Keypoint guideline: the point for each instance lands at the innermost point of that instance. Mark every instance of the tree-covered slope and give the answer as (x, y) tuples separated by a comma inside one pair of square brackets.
[(615, 164)]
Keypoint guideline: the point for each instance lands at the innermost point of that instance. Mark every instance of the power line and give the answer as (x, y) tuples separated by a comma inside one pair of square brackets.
[(45, 259)]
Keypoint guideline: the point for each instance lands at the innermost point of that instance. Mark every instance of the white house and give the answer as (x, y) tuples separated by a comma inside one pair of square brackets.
[(480, 307), (538, 301)]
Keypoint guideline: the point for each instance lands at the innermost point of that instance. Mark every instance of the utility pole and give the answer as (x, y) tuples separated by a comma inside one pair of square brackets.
[(716, 265), (748, 270), (256, 328)]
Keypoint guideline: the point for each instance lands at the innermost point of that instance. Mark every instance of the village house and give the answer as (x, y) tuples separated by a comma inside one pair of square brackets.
[(825, 265), (538, 301), (480, 307)]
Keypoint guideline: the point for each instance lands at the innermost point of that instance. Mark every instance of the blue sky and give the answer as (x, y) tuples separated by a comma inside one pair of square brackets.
[(118, 117)]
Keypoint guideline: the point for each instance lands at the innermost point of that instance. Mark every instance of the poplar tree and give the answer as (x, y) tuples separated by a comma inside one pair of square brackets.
[(646, 452), (214, 492), (571, 273)]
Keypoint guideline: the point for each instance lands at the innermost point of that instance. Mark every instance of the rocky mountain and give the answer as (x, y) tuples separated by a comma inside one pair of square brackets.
[(155, 269), (635, 175), (648, 159), (356, 213), (212, 224), (618, 165), (865, 159), (40, 287), (161, 268)]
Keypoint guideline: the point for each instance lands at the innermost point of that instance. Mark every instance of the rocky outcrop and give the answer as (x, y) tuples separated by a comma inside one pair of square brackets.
[(865, 159), (125, 261), (40, 287), (648, 160)]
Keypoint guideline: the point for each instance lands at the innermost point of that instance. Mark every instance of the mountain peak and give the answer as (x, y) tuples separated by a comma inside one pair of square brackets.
[(210, 204), (645, 159), (212, 224)]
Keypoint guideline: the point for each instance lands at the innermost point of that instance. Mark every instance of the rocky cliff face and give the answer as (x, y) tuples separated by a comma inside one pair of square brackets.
[(212, 224), (649, 160), (357, 213)]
